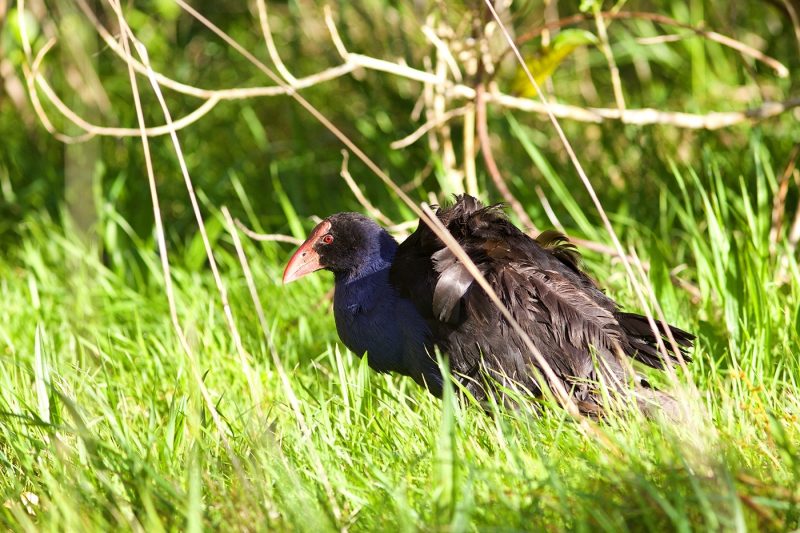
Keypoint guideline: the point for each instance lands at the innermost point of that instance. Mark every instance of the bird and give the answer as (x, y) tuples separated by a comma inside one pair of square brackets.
[(399, 304)]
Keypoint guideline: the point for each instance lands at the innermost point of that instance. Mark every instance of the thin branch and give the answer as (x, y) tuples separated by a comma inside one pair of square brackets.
[(272, 50), (779, 202), (266, 236), (711, 121), (366, 204), (661, 39), (444, 51), (417, 134), (106, 131)]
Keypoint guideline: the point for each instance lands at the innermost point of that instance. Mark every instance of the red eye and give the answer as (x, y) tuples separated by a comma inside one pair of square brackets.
[(327, 239)]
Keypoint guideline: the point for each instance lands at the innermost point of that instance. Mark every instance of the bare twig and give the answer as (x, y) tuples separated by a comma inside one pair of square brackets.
[(661, 39), (223, 94), (266, 31), (355, 61), (267, 236), (417, 134), (366, 204), (709, 121), (444, 51), (779, 202)]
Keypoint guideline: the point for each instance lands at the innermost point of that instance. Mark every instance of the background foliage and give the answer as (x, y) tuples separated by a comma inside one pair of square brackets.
[(104, 419)]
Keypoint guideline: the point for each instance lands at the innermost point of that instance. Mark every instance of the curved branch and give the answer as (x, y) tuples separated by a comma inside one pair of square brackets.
[(710, 121), (414, 136), (352, 62), (274, 237)]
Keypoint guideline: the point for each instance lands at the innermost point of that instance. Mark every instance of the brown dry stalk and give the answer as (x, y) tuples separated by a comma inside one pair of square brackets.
[(491, 164), (779, 202)]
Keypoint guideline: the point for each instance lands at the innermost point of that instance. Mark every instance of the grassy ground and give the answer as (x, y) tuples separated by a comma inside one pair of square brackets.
[(107, 420)]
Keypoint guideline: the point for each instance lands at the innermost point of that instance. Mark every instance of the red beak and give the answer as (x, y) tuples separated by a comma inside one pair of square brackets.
[(305, 260)]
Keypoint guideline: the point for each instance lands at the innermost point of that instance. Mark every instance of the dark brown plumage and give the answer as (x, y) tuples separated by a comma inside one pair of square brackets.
[(577, 328)]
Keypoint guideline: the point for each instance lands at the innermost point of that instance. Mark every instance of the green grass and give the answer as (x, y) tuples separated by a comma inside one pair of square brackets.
[(105, 423)]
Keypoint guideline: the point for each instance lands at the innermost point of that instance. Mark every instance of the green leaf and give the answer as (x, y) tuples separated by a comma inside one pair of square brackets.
[(548, 60), (445, 489)]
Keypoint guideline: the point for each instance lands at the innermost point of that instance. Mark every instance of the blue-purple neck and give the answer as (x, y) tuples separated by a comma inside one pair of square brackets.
[(377, 258), (371, 318)]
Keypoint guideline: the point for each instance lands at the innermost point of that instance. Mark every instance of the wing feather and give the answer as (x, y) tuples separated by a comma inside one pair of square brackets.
[(576, 327)]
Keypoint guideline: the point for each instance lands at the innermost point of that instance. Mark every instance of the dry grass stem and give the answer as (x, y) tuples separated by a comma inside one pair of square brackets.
[(779, 202), (272, 50), (435, 122), (275, 237), (491, 164), (373, 211), (161, 239), (605, 47)]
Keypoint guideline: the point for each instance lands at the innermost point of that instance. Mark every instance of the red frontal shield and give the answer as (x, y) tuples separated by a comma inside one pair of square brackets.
[(305, 260)]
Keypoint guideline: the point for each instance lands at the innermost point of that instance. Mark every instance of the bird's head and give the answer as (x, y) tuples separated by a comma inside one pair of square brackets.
[(345, 244)]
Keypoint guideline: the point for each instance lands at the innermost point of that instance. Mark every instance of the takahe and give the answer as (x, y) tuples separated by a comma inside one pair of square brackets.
[(398, 304)]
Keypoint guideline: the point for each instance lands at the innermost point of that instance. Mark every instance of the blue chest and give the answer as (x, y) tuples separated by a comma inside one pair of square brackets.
[(366, 320), (372, 319)]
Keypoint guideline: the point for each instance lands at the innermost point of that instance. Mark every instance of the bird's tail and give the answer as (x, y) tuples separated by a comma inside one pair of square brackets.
[(643, 344)]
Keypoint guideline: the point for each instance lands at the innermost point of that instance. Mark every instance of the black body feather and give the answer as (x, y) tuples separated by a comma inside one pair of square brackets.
[(577, 328)]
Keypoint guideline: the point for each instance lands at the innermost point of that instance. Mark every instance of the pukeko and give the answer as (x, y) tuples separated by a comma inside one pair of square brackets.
[(399, 303)]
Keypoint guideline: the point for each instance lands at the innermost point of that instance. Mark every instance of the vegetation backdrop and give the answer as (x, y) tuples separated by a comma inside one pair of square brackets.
[(160, 158)]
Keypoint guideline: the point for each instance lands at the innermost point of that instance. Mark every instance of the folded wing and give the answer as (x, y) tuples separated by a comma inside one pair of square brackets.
[(576, 327)]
